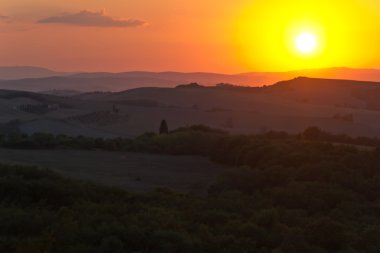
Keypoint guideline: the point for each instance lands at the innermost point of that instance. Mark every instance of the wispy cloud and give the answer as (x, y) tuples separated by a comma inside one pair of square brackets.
[(90, 18), (4, 18)]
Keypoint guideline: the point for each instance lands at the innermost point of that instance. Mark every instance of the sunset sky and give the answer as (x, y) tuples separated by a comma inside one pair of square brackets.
[(227, 36)]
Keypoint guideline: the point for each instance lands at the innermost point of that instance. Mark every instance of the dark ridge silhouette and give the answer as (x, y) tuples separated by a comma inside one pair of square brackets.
[(21, 72), (326, 83), (42, 79), (367, 92), (190, 85)]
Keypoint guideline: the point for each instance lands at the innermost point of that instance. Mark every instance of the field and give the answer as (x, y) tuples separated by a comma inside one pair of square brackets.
[(285, 194), (137, 172)]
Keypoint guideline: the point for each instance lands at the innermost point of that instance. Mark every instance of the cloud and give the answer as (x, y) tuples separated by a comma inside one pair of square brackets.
[(89, 18), (4, 18)]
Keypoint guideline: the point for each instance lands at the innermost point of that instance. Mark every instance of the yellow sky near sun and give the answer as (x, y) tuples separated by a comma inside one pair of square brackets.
[(347, 32), (219, 36)]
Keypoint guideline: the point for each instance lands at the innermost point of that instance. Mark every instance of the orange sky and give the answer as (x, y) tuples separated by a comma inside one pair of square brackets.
[(199, 35)]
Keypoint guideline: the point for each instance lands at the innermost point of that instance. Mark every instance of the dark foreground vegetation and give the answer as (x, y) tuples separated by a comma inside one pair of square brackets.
[(196, 140), (285, 193)]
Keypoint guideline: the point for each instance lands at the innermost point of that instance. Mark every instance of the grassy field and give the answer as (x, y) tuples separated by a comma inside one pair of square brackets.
[(137, 172)]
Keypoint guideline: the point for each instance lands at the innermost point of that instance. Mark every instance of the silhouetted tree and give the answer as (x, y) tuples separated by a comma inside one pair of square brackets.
[(115, 109), (164, 129), (312, 133)]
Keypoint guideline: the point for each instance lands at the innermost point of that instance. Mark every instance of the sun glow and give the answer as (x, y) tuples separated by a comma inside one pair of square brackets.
[(306, 42), (286, 35)]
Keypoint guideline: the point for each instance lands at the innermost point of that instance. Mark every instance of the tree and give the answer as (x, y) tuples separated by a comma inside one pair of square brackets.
[(115, 109), (164, 129), (328, 234), (312, 133)]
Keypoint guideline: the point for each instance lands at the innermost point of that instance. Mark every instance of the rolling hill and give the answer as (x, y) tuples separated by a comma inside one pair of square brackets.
[(22, 72), (338, 106), (45, 80)]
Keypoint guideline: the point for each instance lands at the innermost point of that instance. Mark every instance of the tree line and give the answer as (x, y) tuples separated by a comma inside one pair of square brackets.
[(282, 193)]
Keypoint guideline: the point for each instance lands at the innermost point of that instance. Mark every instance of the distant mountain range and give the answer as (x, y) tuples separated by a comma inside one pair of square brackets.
[(41, 79), (21, 72)]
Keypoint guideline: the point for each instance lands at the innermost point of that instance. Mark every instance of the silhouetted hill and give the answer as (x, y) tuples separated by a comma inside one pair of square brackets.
[(190, 86), (21, 72), (343, 93), (341, 106), (330, 73), (176, 78), (103, 81), (338, 106), (118, 82), (83, 84), (302, 82), (341, 73)]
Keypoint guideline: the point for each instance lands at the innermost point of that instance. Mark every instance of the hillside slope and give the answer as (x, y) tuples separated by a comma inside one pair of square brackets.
[(338, 106)]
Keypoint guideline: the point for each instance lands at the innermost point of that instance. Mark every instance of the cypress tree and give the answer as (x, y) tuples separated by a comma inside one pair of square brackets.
[(164, 129)]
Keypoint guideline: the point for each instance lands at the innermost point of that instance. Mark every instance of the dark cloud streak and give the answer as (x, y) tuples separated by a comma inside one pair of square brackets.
[(4, 18), (89, 18)]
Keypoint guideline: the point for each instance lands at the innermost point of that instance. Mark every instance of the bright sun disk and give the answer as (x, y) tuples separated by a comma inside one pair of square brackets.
[(306, 42)]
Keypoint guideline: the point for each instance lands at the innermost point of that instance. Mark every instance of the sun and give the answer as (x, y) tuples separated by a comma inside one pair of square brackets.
[(306, 42)]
